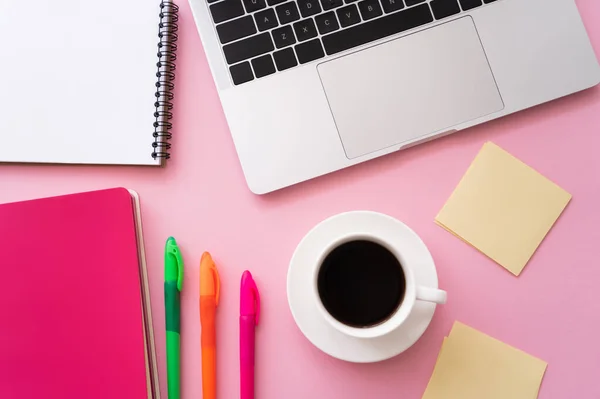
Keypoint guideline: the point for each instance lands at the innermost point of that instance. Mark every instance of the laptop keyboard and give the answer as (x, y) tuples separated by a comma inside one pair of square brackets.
[(262, 37)]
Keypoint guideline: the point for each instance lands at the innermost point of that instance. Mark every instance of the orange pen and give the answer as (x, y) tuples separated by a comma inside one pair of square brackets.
[(210, 285)]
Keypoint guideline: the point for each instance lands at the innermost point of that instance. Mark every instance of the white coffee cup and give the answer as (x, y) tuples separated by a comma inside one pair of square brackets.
[(413, 291)]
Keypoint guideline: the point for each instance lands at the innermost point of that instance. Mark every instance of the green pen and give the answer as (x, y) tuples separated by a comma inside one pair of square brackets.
[(173, 282)]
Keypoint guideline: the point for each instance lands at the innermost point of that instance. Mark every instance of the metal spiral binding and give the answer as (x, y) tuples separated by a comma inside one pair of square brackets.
[(167, 55)]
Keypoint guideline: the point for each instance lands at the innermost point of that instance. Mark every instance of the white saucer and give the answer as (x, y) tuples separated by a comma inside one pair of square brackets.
[(300, 289)]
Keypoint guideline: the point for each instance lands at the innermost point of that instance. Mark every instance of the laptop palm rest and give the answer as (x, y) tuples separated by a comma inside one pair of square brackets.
[(401, 91)]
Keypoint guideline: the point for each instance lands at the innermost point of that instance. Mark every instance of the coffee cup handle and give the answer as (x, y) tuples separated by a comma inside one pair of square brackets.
[(431, 295)]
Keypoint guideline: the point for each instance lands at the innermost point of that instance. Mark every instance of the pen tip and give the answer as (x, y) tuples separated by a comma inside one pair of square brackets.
[(206, 257)]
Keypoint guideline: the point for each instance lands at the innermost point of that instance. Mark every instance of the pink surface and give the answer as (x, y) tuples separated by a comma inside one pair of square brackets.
[(551, 310), (71, 312)]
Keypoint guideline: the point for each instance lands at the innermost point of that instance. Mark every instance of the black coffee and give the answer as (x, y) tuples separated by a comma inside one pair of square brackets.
[(361, 283)]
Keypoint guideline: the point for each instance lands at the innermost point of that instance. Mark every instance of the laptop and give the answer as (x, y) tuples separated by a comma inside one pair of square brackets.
[(313, 86)]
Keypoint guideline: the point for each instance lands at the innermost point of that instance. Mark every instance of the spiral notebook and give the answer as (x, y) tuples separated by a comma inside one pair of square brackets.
[(87, 82), (75, 302)]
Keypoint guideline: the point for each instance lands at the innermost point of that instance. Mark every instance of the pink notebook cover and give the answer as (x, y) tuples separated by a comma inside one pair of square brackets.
[(70, 303)]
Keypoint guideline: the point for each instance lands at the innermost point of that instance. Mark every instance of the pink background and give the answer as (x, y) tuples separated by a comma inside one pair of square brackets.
[(550, 311)]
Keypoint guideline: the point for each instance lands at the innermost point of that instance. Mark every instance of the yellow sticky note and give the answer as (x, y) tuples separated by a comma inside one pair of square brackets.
[(503, 207), (472, 365)]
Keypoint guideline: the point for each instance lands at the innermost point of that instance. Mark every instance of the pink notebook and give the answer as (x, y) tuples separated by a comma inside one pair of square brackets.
[(74, 305)]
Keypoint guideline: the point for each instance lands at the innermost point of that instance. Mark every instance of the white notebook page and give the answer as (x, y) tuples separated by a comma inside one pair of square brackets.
[(78, 81)]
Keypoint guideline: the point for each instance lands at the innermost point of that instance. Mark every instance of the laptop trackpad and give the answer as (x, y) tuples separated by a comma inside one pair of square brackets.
[(398, 92)]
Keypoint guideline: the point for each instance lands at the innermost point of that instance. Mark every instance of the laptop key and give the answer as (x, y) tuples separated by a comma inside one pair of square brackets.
[(236, 29), (248, 48), (444, 8), (265, 19), (284, 36), (241, 73), (410, 3), (309, 51), (226, 10), (305, 29), (348, 15), (327, 23), (263, 66), (287, 13), (275, 2), (285, 59), (254, 5), (488, 1), (470, 4), (377, 29), (331, 4), (392, 5), (369, 9), (309, 7)]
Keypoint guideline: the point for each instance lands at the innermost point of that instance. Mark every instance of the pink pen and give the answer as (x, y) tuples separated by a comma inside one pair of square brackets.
[(249, 314)]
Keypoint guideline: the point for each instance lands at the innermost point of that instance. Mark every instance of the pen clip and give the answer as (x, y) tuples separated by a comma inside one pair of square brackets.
[(179, 261), (256, 296), (217, 281), (172, 250)]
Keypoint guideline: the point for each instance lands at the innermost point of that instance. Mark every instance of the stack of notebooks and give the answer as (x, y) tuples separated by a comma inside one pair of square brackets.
[(89, 83), (75, 306)]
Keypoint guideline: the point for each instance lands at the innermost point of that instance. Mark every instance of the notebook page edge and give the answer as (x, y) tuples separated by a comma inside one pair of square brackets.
[(150, 353)]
